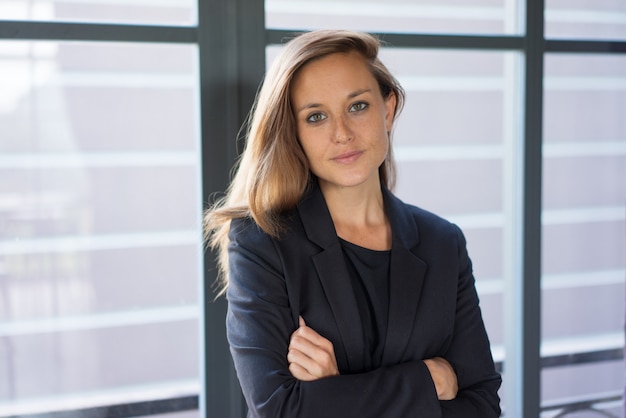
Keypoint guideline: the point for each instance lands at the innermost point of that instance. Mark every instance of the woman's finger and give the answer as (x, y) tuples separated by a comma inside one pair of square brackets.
[(311, 355)]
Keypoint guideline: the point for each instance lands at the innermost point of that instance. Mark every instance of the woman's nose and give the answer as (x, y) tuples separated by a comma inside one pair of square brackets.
[(343, 133)]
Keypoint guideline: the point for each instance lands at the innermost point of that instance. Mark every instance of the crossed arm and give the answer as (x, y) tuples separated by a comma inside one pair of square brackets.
[(312, 357)]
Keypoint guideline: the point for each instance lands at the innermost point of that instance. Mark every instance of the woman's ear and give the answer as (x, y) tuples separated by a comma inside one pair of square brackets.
[(390, 110)]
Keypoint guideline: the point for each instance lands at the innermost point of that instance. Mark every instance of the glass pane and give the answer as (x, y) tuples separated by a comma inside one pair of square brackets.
[(590, 19), (166, 12), (583, 246), (100, 244), (404, 16), (452, 147)]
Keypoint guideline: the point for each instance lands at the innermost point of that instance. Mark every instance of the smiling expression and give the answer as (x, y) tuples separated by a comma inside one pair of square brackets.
[(342, 120)]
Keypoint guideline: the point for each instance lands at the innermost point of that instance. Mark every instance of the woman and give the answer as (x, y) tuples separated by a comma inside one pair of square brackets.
[(343, 301)]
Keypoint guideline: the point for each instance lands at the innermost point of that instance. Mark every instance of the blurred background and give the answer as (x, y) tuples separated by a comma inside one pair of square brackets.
[(118, 122)]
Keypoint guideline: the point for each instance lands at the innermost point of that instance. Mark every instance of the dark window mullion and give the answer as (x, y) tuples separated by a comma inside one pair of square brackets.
[(404, 40), (585, 46), (529, 382), (231, 42), (66, 31)]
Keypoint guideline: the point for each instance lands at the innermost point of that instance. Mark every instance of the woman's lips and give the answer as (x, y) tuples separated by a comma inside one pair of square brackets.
[(348, 157)]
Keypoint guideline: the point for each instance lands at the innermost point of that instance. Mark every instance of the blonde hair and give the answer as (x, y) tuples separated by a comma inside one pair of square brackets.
[(273, 173)]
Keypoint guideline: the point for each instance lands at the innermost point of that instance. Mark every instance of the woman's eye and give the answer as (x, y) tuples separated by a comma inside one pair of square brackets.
[(358, 107), (316, 117)]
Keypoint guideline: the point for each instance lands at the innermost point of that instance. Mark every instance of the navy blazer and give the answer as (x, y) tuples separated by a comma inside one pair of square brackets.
[(433, 312)]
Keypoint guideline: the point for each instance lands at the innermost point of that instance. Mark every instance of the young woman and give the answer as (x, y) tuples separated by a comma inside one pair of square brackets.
[(343, 301)]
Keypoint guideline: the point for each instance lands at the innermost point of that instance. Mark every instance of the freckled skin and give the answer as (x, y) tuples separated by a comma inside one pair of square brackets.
[(342, 120)]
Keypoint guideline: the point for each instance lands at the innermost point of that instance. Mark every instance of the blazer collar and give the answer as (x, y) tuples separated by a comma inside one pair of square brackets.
[(333, 275), (406, 277), (316, 219), (407, 273)]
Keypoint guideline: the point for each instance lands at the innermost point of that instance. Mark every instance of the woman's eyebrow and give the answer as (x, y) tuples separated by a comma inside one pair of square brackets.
[(358, 93), (308, 106)]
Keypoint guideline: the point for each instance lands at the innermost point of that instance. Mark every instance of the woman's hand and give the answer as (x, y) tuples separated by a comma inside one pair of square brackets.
[(444, 377), (310, 355)]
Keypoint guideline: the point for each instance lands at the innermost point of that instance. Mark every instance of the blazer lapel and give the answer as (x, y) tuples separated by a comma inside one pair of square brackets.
[(406, 275), (333, 275)]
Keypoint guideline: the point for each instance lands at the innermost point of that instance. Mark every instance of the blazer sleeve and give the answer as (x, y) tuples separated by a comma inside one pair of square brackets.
[(469, 352), (259, 324)]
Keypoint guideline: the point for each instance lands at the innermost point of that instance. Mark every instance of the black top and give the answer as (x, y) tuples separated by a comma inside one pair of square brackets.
[(369, 274)]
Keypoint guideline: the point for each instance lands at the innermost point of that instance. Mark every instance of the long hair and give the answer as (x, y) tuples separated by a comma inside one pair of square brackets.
[(273, 172)]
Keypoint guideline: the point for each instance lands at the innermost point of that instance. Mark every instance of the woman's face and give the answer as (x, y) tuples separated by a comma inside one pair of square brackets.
[(342, 120)]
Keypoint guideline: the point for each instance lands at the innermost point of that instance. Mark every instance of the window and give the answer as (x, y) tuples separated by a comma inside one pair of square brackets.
[(584, 191), (100, 243), (586, 19), (455, 142), (171, 12), (399, 16), (461, 148), (115, 130), (451, 145)]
